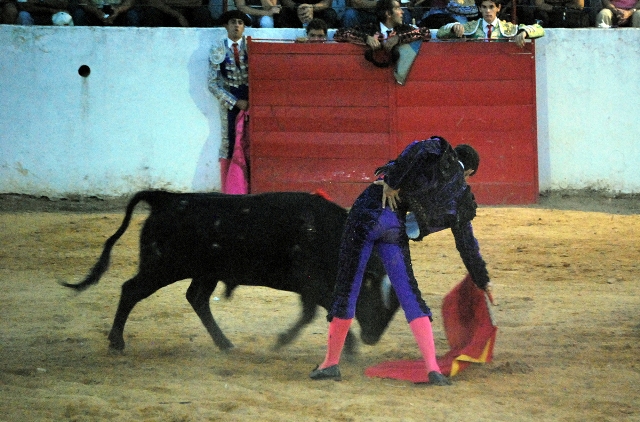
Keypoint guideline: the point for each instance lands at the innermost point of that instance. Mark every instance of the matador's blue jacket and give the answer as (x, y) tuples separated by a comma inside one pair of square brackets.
[(432, 186)]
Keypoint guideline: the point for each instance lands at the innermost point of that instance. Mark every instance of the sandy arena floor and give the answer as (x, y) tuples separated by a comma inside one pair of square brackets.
[(565, 276)]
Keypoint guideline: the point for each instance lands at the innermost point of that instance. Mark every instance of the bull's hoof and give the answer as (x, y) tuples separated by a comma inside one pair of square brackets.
[(116, 351), (328, 373), (227, 349), (436, 378), (223, 343), (283, 340), (116, 341)]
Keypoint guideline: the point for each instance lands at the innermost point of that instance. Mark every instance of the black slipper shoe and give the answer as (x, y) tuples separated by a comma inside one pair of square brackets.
[(328, 373)]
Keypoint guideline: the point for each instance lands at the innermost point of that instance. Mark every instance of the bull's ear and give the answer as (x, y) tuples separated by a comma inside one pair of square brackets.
[(385, 287)]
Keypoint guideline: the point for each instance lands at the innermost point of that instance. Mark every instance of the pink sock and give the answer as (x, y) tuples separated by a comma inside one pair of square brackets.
[(423, 333), (338, 329)]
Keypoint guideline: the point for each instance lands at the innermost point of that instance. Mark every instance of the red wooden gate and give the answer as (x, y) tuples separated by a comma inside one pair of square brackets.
[(323, 117)]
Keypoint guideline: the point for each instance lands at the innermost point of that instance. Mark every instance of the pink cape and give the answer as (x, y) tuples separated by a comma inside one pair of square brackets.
[(237, 176), (470, 331)]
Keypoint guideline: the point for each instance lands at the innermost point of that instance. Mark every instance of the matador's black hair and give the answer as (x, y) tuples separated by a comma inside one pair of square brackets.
[(469, 157)]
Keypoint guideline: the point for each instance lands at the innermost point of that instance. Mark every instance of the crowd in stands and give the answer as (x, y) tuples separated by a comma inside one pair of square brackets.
[(293, 14)]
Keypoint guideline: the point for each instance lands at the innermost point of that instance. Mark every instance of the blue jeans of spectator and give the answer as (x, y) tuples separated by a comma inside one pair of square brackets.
[(262, 21), (25, 18), (355, 17), (266, 22)]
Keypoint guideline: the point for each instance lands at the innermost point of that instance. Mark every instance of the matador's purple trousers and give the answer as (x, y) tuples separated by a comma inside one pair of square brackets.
[(387, 235)]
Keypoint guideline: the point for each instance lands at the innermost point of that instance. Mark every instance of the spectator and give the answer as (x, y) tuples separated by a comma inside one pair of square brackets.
[(41, 12), (619, 13), (436, 13), (201, 17), (429, 179), (490, 26), (8, 12), (217, 8), (107, 13), (206, 15), (593, 7), (263, 13), (526, 12), (316, 32), (228, 81), (561, 13), (340, 6), (157, 13), (298, 15), (384, 35), (180, 13), (361, 12), (153, 13)]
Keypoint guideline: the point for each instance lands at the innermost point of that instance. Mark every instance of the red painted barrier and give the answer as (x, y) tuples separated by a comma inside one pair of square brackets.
[(324, 117)]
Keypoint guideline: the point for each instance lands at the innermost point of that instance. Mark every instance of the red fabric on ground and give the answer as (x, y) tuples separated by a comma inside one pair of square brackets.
[(470, 332)]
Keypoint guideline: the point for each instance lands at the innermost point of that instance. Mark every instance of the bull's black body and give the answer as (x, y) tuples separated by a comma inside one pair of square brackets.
[(287, 241)]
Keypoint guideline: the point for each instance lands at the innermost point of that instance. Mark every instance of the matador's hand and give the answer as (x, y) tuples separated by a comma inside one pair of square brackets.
[(458, 30), (389, 195), (519, 39), (373, 42)]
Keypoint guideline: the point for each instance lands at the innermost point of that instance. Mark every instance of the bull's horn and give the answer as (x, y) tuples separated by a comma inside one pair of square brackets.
[(385, 287)]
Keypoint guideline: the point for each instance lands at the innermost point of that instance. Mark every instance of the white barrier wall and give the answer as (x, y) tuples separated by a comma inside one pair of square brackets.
[(588, 84), (143, 118)]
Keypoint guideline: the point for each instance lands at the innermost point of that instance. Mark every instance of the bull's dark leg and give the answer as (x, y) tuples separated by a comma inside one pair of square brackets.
[(308, 313), (350, 345), (133, 291), (198, 295)]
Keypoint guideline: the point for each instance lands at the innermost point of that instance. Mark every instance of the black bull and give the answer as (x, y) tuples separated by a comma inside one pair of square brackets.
[(286, 241)]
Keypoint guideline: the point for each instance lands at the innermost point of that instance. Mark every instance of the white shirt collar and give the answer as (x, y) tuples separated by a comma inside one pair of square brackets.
[(230, 43), (384, 29), (495, 24)]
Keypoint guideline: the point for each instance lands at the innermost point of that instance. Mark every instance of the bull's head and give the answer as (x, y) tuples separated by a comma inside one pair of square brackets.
[(377, 302)]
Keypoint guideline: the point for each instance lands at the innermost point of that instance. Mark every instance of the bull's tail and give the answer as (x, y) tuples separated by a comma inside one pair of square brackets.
[(102, 265)]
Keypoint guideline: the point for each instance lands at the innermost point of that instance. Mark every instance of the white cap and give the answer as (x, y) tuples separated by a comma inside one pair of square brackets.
[(62, 19)]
